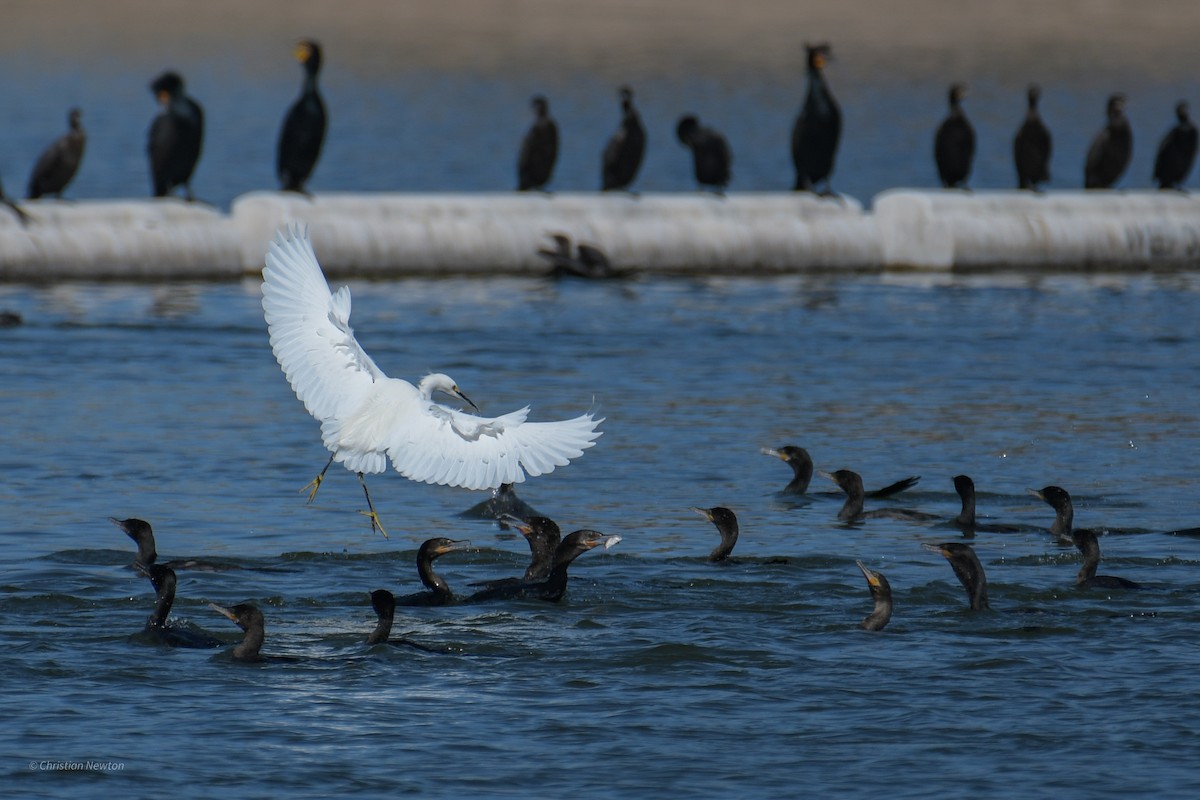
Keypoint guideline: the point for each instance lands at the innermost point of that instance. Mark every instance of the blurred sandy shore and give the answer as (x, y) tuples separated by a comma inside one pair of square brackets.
[(896, 39)]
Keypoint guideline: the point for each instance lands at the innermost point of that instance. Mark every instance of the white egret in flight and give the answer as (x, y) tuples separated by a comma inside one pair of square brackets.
[(367, 417)]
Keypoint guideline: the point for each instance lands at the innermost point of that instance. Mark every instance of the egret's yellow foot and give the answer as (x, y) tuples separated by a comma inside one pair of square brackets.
[(375, 523), (314, 484)]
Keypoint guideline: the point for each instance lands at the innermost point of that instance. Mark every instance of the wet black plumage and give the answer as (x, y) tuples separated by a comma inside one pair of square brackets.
[(1111, 148), (176, 136), (1176, 152), (954, 143), (1032, 145), (968, 570), (818, 127), (539, 148), (304, 126), (711, 156), (58, 163), (881, 593), (624, 151)]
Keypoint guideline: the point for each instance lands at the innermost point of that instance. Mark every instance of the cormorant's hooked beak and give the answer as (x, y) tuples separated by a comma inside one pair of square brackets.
[(608, 541), (933, 548), (459, 544), (513, 521), (704, 512), (827, 475), (871, 575), (1038, 493), (771, 451), (224, 612)]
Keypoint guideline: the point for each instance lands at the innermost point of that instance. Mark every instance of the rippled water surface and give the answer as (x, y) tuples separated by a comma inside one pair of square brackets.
[(659, 673)]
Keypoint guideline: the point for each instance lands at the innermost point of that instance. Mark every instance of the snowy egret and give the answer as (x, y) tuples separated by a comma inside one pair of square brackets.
[(367, 417)]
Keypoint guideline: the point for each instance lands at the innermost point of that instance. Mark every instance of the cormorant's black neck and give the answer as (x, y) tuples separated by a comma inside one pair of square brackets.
[(432, 581), (163, 580), (966, 492), (384, 604), (851, 483)]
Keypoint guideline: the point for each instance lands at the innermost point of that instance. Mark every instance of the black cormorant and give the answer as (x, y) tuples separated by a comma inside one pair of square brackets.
[(143, 536), (968, 569), (818, 126), (624, 151), (439, 593), (176, 136), (1032, 145), (384, 604), (1176, 152), (1064, 512), (554, 585), (163, 579), (544, 537), (303, 130), (727, 526), (1111, 149), (954, 144), (58, 163), (1087, 578), (539, 148), (966, 520), (503, 503), (249, 619), (852, 510), (881, 593), (711, 157), (588, 262), (802, 471)]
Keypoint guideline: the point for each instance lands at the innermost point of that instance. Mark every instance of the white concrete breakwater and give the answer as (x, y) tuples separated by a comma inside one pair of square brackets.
[(444, 234)]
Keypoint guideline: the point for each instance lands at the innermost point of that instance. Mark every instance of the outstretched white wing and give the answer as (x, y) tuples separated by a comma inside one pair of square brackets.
[(442, 445), (366, 416), (310, 331)]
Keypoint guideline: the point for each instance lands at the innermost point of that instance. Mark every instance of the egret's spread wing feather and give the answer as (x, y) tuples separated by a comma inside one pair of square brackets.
[(445, 446), (310, 330)]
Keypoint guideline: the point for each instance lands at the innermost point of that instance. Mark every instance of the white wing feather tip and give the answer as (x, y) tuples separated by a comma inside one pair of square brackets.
[(367, 417)]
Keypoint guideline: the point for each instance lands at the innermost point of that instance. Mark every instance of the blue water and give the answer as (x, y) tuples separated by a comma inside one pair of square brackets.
[(660, 673)]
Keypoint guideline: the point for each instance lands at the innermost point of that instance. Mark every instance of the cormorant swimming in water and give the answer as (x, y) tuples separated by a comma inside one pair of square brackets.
[(58, 163), (543, 536), (966, 521), (954, 144), (711, 156), (1064, 512), (802, 471), (1032, 145), (176, 136), (384, 604), (303, 130), (881, 593), (624, 151), (968, 569), (1087, 578), (1111, 149), (22, 217), (143, 535), (503, 503), (1176, 152), (162, 578), (727, 526), (10, 319), (852, 510), (439, 593), (539, 148), (554, 585), (589, 262), (249, 619), (818, 126)]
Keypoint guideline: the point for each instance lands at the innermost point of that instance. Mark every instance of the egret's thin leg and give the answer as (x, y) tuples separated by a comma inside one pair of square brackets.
[(375, 523), (315, 483)]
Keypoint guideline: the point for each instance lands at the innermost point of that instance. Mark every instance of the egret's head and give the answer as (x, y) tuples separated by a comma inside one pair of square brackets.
[(438, 382)]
